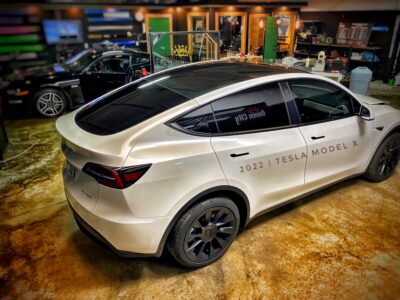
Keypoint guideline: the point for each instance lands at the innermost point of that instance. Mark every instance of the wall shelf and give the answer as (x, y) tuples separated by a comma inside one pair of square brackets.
[(309, 49)]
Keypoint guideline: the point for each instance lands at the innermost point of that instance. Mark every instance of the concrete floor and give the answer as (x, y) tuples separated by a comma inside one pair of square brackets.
[(341, 243)]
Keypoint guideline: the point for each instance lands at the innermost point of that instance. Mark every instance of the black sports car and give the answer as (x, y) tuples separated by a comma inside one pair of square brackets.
[(50, 90)]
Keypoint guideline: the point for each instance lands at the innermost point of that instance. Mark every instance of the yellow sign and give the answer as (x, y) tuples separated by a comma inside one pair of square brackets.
[(181, 51)]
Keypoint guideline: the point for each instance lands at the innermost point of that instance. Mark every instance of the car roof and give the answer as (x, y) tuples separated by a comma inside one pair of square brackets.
[(176, 91), (195, 80)]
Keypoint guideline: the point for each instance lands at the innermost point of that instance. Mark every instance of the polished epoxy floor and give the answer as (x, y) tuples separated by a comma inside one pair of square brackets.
[(341, 243)]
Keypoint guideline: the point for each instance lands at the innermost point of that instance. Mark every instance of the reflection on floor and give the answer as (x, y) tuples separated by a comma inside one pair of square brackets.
[(343, 242)]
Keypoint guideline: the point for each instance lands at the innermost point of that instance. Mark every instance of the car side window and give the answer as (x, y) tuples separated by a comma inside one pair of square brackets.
[(200, 120), (319, 101), (257, 108), (111, 64), (138, 60)]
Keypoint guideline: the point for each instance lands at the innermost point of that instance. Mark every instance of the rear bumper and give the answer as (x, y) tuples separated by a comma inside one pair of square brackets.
[(20, 105), (133, 237), (97, 237)]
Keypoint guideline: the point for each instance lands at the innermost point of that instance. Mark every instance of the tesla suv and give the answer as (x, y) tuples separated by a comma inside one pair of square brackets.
[(187, 157)]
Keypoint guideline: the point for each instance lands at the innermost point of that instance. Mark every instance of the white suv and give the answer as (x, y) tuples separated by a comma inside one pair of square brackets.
[(187, 157)]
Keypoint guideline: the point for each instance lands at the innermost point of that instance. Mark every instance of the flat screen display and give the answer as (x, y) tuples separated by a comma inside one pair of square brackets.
[(63, 31)]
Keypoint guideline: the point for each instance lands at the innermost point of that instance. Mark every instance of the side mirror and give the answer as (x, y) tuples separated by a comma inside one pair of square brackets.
[(365, 114)]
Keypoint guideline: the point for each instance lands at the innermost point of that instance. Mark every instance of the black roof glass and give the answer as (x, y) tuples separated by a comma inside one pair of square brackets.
[(196, 80), (140, 101)]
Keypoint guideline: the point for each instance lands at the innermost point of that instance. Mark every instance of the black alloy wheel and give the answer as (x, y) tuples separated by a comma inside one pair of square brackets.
[(203, 233), (385, 159), (209, 234), (389, 158)]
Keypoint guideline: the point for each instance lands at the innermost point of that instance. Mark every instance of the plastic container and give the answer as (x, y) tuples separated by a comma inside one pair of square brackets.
[(360, 79), (397, 79)]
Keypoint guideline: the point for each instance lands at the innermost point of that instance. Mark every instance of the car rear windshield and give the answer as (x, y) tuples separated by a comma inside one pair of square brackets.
[(138, 102), (127, 107)]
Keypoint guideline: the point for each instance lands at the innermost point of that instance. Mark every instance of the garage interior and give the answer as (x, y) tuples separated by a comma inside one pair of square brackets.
[(339, 243)]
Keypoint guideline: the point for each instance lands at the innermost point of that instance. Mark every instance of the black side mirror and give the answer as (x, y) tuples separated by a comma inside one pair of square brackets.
[(365, 114)]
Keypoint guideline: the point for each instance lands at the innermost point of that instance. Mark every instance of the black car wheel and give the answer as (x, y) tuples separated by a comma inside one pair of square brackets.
[(385, 159), (50, 103), (204, 232)]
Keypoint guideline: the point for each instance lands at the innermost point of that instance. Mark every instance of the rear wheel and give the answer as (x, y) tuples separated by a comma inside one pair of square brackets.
[(385, 159), (50, 103), (203, 234)]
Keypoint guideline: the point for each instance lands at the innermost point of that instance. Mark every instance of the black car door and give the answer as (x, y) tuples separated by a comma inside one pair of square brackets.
[(103, 75), (139, 66)]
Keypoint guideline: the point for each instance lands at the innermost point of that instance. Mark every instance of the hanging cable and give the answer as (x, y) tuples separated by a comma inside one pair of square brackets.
[(29, 148)]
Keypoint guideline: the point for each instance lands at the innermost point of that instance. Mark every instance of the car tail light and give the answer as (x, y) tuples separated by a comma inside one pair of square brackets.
[(117, 178)]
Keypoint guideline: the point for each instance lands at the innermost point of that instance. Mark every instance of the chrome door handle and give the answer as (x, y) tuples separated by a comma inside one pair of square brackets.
[(317, 137), (239, 154)]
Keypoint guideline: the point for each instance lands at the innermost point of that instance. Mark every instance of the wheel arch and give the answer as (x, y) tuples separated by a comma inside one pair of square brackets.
[(54, 87), (236, 195), (370, 172), (395, 128)]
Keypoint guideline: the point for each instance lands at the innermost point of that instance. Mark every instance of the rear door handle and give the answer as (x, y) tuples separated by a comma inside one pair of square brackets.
[(317, 137), (239, 154)]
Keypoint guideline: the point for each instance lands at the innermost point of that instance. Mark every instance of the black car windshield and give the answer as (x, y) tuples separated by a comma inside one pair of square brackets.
[(79, 61), (137, 102), (127, 107)]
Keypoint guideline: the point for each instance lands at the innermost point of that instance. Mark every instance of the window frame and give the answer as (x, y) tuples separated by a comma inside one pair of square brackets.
[(100, 58), (172, 123), (287, 81), (133, 56)]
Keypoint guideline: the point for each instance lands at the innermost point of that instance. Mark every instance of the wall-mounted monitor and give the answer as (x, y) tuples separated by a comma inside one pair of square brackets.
[(63, 31)]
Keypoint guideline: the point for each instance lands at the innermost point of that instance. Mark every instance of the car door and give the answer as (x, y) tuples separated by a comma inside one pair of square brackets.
[(103, 75), (136, 66), (258, 149), (339, 142)]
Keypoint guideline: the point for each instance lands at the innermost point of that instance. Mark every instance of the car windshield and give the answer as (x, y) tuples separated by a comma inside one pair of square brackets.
[(79, 61)]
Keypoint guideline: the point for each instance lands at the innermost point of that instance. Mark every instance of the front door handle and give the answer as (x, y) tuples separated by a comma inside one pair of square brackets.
[(317, 137), (239, 154)]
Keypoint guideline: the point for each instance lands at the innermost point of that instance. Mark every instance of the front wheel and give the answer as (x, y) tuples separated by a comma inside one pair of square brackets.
[(385, 159), (50, 103), (203, 234)]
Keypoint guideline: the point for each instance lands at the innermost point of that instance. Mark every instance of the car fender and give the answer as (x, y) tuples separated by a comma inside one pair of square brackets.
[(181, 209), (385, 125)]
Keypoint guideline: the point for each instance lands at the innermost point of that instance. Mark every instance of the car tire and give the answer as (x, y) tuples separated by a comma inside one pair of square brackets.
[(385, 159), (204, 232), (50, 103)]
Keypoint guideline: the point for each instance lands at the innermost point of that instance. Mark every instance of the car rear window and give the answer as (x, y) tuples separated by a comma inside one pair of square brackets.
[(127, 107)]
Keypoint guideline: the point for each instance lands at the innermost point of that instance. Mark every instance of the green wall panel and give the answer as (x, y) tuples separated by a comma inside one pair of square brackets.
[(270, 40), (163, 46), (18, 39), (21, 48)]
